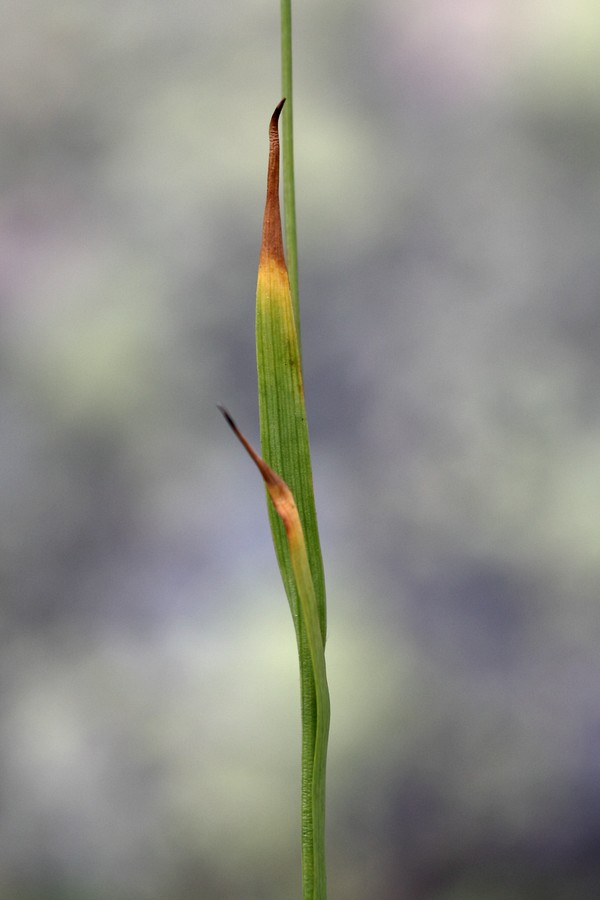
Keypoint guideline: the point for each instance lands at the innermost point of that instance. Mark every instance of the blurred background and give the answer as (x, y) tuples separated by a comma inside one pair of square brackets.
[(448, 176)]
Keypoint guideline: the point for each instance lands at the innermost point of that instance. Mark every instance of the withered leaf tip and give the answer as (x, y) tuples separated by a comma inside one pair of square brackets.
[(245, 443), (227, 416), (272, 237), (270, 477), (275, 119)]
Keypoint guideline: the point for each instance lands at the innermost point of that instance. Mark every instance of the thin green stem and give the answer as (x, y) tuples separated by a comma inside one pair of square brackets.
[(313, 687), (287, 140)]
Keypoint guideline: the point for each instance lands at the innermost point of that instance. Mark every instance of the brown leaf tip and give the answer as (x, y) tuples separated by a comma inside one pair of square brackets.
[(272, 237), (277, 113), (271, 478), (227, 416), (274, 141), (274, 125), (245, 443)]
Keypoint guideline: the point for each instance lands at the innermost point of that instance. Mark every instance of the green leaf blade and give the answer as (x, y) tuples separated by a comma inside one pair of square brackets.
[(283, 425), (315, 692), (286, 449)]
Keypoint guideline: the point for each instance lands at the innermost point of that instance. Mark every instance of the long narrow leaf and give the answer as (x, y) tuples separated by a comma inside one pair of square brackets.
[(285, 507), (283, 426), (285, 448), (287, 474)]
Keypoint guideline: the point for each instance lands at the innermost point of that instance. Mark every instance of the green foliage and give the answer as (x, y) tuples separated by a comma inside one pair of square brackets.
[(286, 449)]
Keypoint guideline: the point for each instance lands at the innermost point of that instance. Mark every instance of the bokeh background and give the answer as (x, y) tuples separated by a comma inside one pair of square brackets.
[(448, 168)]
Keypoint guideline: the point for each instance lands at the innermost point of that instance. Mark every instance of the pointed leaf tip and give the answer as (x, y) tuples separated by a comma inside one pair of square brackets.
[(230, 421), (272, 236), (279, 492), (274, 124), (226, 415), (278, 109)]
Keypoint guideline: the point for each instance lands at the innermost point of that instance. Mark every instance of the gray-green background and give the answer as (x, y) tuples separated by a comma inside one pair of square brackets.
[(448, 174)]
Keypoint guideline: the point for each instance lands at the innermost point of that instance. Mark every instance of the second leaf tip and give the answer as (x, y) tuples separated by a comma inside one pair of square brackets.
[(227, 416)]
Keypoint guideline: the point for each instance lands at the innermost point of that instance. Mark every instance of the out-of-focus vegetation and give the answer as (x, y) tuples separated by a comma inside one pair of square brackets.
[(448, 164)]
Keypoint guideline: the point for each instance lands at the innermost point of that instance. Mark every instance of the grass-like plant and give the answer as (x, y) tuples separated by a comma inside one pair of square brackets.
[(286, 469)]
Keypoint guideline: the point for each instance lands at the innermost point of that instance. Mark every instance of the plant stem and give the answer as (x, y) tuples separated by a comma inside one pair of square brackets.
[(287, 140), (313, 690)]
